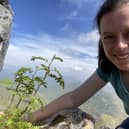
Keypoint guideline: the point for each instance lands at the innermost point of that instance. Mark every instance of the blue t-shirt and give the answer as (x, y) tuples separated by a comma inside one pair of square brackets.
[(115, 79)]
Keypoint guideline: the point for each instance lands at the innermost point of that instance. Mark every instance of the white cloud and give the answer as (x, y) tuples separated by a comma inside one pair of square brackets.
[(65, 27), (76, 55), (92, 37), (74, 18), (74, 13), (78, 68), (79, 3)]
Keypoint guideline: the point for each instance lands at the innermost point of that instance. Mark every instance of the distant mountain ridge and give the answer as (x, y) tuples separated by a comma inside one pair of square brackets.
[(106, 107)]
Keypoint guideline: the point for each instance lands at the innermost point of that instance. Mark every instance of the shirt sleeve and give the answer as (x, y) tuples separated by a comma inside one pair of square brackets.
[(104, 76)]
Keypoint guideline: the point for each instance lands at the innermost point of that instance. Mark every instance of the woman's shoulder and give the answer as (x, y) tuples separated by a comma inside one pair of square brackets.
[(103, 75)]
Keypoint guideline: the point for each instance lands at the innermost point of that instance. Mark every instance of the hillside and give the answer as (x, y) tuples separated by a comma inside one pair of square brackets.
[(105, 107)]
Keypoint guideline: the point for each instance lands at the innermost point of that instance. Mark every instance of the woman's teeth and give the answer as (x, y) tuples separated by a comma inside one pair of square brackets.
[(123, 56)]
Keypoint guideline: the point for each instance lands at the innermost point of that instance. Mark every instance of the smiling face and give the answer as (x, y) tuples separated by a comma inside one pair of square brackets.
[(114, 32)]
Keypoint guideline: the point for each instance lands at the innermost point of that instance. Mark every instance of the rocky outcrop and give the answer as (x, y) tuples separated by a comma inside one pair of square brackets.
[(5, 26), (105, 127), (70, 119)]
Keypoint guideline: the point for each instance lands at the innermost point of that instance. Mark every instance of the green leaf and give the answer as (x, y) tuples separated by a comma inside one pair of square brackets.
[(38, 58), (25, 86), (58, 58), (9, 122), (23, 70), (44, 67), (34, 102), (38, 79)]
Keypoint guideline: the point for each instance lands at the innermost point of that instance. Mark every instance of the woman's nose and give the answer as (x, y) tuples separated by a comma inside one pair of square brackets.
[(122, 42)]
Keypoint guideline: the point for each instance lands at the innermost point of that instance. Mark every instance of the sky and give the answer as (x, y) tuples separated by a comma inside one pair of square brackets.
[(47, 27)]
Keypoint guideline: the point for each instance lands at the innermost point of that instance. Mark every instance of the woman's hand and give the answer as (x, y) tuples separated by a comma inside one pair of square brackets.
[(31, 118), (1, 113)]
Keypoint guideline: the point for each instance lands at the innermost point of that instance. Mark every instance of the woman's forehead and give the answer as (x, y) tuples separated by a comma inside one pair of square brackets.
[(118, 18)]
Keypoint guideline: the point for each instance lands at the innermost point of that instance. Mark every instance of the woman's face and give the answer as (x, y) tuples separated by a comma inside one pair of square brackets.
[(114, 28)]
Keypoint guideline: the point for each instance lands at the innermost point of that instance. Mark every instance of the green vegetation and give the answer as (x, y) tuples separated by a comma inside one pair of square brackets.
[(24, 92)]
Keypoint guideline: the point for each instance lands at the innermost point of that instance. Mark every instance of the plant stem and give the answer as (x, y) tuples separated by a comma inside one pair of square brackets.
[(45, 76), (18, 103), (13, 96)]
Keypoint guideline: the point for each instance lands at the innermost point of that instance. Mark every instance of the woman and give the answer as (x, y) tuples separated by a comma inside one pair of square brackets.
[(113, 63)]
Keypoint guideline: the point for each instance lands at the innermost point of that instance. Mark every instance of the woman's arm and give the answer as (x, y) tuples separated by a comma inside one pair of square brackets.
[(69, 100)]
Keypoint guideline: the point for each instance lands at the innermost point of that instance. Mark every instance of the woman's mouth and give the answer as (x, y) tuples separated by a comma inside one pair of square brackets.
[(123, 56)]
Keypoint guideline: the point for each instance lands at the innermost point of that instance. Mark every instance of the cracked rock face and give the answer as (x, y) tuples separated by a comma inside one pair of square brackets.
[(70, 119), (6, 16)]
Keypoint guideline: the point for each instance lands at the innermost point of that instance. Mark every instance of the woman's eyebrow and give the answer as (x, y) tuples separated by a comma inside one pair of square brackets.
[(105, 33)]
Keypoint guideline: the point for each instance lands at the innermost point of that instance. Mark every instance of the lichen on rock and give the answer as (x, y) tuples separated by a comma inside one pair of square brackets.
[(70, 119), (6, 16)]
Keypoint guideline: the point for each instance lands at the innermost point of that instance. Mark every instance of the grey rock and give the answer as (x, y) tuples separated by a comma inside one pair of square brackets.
[(4, 2), (69, 119), (6, 17), (105, 127)]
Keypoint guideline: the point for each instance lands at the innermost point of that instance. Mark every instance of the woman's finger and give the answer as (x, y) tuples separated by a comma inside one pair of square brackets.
[(1, 113)]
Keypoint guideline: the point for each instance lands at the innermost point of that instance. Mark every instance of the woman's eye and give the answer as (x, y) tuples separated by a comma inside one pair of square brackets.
[(127, 34), (108, 37)]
